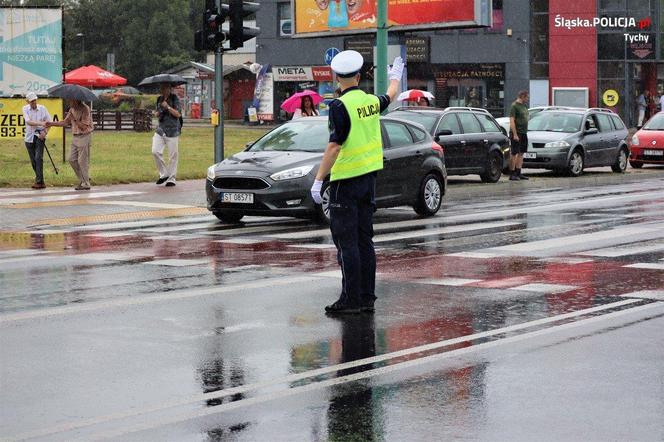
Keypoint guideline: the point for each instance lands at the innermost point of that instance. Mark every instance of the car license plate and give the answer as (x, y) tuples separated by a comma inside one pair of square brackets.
[(530, 155), (239, 198), (654, 153)]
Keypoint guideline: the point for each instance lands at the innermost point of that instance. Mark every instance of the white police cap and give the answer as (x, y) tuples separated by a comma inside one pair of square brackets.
[(347, 63), (31, 96)]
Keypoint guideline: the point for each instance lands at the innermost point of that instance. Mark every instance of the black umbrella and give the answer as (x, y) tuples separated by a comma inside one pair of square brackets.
[(71, 92), (172, 79)]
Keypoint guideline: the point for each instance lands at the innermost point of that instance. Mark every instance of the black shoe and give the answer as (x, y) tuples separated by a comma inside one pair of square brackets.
[(514, 178), (523, 177), (170, 184), (341, 307), (367, 303), (161, 180)]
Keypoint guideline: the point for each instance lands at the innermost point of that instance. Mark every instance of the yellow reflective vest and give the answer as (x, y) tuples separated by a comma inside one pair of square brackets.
[(362, 152)]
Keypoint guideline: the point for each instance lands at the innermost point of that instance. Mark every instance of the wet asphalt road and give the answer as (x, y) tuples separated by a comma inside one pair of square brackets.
[(533, 314)]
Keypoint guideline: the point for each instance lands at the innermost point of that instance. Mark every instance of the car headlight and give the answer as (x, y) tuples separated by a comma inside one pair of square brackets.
[(557, 144), (211, 173), (635, 140), (289, 174)]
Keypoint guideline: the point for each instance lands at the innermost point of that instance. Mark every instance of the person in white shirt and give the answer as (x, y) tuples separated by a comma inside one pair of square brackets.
[(35, 117), (661, 103), (307, 109)]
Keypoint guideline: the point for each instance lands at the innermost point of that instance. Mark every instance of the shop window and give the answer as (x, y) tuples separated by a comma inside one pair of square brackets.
[(612, 5), (497, 17), (640, 6), (539, 70), (539, 38), (611, 69), (285, 23), (611, 46), (540, 6)]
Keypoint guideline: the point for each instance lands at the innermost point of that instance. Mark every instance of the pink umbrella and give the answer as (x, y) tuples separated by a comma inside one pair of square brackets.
[(295, 101), (414, 95)]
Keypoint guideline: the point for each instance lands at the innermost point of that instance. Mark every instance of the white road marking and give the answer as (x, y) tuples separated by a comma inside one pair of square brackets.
[(178, 262), (569, 244), (646, 265), (313, 246), (147, 223), (152, 298), (179, 228), (331, 274), (566, 260), (289, 379), (109, 234), (614, 252), (545, 288), (22, 252), (475, 255), (646, 294), (77, 196), (146, 204), (423, 233), (113, 256), (19, 259), (453, 282), (209, 411), (246, 241)]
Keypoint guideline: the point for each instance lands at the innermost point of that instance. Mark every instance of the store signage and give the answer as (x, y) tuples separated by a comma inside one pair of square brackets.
[(610, 97), (417, 49), (459, 71), (292, 73), (363, 45), (322, 73), (302, 73), (318, 18), (642, 49)]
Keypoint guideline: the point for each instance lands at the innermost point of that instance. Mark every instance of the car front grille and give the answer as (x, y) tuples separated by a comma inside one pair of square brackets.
[(240, 183)]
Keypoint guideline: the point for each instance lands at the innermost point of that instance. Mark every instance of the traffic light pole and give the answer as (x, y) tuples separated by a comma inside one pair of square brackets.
[(219, 100), (380, 84)]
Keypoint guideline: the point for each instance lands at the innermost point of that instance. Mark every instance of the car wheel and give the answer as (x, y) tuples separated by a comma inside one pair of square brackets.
[(493, 170), (323, 210), (636, 165), (575, 163), (430, 196), (621, 161), (229, 218)]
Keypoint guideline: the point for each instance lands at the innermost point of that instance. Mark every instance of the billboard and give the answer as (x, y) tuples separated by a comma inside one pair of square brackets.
[(12, 124), (30, 50), (323, 17)]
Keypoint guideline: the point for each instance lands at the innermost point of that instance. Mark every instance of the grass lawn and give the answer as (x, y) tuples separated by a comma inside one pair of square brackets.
[(121, 157)]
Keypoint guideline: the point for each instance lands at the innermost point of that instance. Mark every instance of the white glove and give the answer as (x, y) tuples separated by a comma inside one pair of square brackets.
[(315, 191), (396, 71)]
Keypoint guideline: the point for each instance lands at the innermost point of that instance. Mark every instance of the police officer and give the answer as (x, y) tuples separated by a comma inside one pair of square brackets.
[(352, 158)]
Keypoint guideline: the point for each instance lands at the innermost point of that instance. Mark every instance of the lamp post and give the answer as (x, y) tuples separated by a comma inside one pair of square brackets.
[(82, 37)]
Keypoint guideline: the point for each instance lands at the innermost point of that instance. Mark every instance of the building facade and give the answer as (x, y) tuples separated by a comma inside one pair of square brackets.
[(540, 45)]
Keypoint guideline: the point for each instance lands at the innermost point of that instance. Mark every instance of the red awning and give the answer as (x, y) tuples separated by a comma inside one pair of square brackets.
[(93, 76)]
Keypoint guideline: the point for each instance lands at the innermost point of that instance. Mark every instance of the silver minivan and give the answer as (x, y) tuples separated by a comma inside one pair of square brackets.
[(571, 140)]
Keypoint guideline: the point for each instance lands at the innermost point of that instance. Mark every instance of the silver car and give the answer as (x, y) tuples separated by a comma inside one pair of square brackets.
[(573, 139)]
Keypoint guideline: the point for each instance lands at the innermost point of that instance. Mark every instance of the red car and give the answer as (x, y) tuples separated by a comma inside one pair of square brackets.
[(647, 145)]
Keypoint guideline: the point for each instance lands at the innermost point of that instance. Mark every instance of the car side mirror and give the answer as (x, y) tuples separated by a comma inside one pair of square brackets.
[(502, 129), (591, 131), (249, 144)]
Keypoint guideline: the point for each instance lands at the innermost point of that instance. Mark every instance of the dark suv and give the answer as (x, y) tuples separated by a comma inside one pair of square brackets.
[(474, 142)]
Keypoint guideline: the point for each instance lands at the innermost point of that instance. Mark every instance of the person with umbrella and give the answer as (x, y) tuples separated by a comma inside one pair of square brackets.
[(302, 104), (168, 131), (79, 118), (36, 116)]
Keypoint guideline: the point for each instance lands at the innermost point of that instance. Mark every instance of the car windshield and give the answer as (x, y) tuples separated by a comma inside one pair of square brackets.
[(655, 123), (555, 122), (304, 136), (425, 119)]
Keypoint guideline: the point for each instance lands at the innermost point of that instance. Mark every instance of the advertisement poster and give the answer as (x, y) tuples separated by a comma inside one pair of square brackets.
[(317, 17), (30, 50), (266, 100), (12, 124)]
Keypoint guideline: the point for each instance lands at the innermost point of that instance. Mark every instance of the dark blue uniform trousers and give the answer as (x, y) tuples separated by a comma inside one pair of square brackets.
[(352, 205)]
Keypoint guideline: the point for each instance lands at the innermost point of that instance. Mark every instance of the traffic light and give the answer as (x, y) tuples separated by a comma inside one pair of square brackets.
[(212, 34), (238, 11)]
